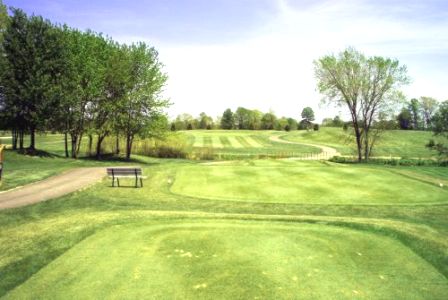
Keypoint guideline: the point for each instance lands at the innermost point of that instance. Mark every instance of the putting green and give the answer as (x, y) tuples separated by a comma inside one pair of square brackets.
[(305, 182), (235, 260)]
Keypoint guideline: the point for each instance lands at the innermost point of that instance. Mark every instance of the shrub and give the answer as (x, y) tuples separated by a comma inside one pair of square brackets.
[(316, 127)]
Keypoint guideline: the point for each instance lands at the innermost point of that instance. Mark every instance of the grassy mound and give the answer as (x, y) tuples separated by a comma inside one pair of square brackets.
[(237, 260)]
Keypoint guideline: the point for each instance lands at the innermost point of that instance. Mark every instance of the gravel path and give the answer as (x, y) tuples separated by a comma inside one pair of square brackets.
[(51, 187), (327, 152)]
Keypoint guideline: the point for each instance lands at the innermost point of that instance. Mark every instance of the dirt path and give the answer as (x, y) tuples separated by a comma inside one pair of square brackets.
[(51, 187), (327, 152)]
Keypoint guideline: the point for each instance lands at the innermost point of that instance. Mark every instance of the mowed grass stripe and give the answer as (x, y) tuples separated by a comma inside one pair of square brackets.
[(234, 142), (207, 141), (253, 143), (261, 140), (243, 142), (198, 141), (225, 142), (216, 142)]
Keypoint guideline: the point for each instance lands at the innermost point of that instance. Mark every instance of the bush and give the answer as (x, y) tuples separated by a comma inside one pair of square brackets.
[(392, 161), (287, 128), (316, 127)]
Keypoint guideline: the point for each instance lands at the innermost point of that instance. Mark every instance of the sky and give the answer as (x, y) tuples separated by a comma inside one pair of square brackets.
[(259, 54)]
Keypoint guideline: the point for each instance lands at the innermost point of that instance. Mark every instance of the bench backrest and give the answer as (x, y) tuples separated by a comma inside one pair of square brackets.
[(124, 171)]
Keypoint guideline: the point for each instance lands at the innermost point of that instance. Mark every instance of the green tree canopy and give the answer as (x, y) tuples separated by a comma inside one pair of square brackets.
[(364, 85)]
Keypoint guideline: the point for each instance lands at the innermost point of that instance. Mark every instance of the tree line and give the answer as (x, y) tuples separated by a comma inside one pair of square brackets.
[(244, 119), (79, 83)]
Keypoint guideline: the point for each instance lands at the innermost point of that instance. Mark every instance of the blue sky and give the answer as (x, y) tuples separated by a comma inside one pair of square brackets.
[(259, 54)]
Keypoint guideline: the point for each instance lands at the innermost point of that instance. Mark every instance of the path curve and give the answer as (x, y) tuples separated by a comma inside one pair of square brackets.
[(51, 187), (327, 152)]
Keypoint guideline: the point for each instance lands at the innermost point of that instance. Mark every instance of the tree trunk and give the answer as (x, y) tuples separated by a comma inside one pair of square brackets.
[(21, 134), (32, 139), (74, 143), (66, 144), (117, 145), (79, 144), (129, 139), (90, 144), (358, 143), (98, 146), (366, 145), (15, 136)]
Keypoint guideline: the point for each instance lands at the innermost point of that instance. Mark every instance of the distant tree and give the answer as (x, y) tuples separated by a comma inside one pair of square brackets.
[(292, 124), (304, 124), (205, 121), (268, 121), (241, 117), (338, 122), (173, 126), (428, 106), (365, 85), (405, 119), (190, 126), (227, 120), (316, 127), (281, 123), (414, 108), (327, 122), (308, 114), (440, 128)]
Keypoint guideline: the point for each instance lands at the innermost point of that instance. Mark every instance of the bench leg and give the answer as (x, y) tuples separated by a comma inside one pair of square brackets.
[(118, 182), (136, 182), (141, 182), (113, 182)]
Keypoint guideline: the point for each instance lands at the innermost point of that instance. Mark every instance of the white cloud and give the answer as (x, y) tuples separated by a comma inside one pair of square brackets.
[(273, 69)]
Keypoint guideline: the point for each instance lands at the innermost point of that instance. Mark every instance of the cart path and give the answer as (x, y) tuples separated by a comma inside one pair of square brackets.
[(52, 187), (327, 152)]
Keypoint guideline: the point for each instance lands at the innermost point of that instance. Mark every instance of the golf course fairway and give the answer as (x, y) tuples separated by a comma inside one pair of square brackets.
[(235, 260), (305, 183)]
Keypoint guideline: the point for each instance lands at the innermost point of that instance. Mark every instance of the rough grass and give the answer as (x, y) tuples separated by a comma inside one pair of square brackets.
[(394, 143)]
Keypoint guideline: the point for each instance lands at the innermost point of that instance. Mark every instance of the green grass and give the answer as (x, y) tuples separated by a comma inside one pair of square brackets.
[(237, 144), (306, 183), (237, 260), (266, 228), (395, 143)]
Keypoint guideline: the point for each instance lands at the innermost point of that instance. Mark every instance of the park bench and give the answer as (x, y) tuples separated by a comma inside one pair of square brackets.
[(117, 173)]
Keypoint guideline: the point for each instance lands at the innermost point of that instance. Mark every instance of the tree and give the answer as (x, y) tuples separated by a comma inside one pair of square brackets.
[(227, 119), (428, 106), (440, 128), (404, 119), (143, 105), (414, 108), (33, 67), (292, 124), (281, 124), (4, 20), (268, 121), (365, 85), (205, 122), (241, 118), (308, 114)]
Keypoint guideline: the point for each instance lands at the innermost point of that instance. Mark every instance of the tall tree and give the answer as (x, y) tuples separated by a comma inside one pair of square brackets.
[(143, 105), (428, 106), (227, 120), (34, 64), (83, 83), (366, 86)]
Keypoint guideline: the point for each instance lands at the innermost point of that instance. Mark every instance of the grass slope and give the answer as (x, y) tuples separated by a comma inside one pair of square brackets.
[(237, 260), (395, 143)]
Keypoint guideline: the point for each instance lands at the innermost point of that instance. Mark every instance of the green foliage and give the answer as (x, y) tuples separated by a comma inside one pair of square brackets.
[(440, 128), (316, 127), (308, 114), (227, 120), (367, 86), (404, 119)]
